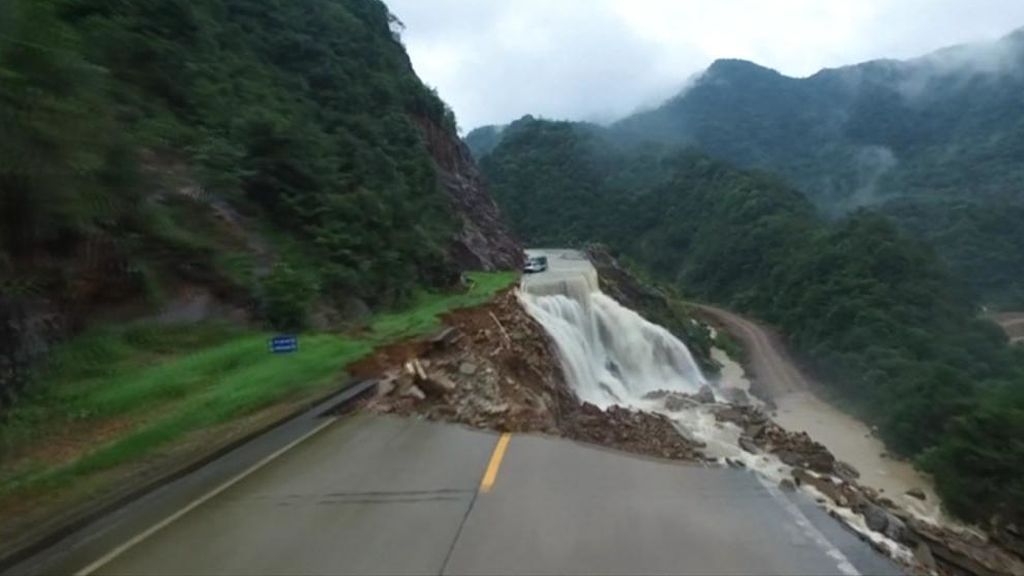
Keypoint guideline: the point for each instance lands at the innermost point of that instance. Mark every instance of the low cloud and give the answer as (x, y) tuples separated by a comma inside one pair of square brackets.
[(601, 59)]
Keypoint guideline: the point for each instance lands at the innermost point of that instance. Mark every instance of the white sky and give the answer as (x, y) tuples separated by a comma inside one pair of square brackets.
[(496, 60)]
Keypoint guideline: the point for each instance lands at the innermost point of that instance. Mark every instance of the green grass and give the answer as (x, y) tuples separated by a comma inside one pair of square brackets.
[(173, 381)]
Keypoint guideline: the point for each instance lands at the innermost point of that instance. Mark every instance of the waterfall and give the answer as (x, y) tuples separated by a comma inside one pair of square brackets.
[(609, 353)]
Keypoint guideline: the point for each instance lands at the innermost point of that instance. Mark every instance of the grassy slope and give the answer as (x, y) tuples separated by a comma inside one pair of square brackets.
[(168, 382)]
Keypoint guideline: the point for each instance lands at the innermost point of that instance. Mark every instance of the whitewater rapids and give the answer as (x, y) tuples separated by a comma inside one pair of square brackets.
[(609, 353), (613, 356)]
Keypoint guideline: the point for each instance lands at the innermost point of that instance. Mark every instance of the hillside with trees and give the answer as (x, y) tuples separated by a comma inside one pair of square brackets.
[(870, 310), (934, 142), (281, 156)]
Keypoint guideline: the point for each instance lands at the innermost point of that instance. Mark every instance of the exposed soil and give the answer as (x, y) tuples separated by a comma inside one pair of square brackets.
[(935, 548), (494, 367)]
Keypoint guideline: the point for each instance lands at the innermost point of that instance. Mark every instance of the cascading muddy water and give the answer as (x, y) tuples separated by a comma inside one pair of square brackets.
[(612, 356), (609, 353)]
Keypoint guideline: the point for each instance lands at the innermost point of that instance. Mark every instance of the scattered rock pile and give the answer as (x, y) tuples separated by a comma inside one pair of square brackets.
[(935, 548), (639, 432), (492, 367)]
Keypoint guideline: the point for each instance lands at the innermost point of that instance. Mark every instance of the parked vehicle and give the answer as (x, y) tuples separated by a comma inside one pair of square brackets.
[(536, 264)]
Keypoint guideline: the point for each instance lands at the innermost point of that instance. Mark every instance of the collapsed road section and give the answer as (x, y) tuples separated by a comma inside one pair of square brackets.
[(561, 357)]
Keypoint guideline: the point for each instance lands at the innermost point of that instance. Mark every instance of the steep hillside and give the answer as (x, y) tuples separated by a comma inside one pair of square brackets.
[(273, 154), (934, 142), (870, 310)]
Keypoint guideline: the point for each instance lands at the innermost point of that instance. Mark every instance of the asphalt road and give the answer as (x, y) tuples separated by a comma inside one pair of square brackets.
[(565, 267), (377, 495)]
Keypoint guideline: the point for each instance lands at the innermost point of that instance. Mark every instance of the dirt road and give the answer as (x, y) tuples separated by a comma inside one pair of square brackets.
[(1012, 323), (773, 373), (776, 379)]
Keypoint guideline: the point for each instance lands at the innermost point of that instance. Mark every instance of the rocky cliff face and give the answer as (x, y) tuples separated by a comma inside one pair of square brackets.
[(483, 241)]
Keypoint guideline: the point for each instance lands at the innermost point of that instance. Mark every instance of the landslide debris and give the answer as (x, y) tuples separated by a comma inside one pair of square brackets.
[(494, 367), (654, 304), (935, 548)]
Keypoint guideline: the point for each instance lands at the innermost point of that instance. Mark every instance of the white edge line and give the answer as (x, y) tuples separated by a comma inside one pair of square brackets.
[(139, 538), (842, 562)]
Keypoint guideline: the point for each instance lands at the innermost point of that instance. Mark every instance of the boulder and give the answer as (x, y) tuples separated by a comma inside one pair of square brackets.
[(749, 445), (845, 471), (414, 391), (705, 395), (916, 493), (754, 431), (467, 368), (675, 402), (436, 384), (787, 485), (875, 517), (736, 396), (896, 530)]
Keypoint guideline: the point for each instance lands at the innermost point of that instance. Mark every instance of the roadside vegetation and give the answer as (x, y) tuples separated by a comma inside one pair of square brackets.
[(871, 310), (119, 394)]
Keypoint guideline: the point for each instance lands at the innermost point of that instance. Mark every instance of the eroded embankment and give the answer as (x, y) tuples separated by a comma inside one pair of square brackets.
[(495, 367)]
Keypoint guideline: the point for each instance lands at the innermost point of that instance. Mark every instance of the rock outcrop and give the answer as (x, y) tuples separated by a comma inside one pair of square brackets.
[(483, 241)]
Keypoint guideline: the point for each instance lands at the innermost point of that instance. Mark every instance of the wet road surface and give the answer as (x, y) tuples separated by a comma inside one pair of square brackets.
[(380, 495)]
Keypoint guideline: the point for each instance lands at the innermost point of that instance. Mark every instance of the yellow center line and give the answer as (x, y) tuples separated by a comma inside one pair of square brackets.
[(495, 464)]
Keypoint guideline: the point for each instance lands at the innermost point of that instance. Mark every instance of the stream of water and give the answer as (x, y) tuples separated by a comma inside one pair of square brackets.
[(611, 355)]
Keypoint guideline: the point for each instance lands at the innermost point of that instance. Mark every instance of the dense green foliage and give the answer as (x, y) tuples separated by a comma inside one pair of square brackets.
[(287, 297), (933, 134), (870, 310), (302, 116), (982, 242), (948, 124)]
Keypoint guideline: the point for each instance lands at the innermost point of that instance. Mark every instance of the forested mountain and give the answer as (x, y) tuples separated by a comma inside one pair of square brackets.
[(121, 117), (274, 153), (868, 308), (935, 142), (947, 125)]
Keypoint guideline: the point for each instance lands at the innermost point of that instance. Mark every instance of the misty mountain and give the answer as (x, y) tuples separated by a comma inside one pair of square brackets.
[(869, 309), (946, 125)]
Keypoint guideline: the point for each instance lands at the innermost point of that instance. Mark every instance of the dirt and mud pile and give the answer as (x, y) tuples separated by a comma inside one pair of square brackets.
[(935, 548), (494, 367)]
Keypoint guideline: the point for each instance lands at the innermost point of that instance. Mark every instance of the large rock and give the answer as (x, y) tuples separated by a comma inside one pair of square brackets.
[(737, 396), (875, 517), (705, 395), (846, 471), (675, 402), (436, 384)]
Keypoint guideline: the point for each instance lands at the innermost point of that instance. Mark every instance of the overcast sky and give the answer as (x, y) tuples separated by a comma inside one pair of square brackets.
[(496, 60)]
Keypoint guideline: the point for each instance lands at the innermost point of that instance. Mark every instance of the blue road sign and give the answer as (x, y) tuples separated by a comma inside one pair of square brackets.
[(283, 344)]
